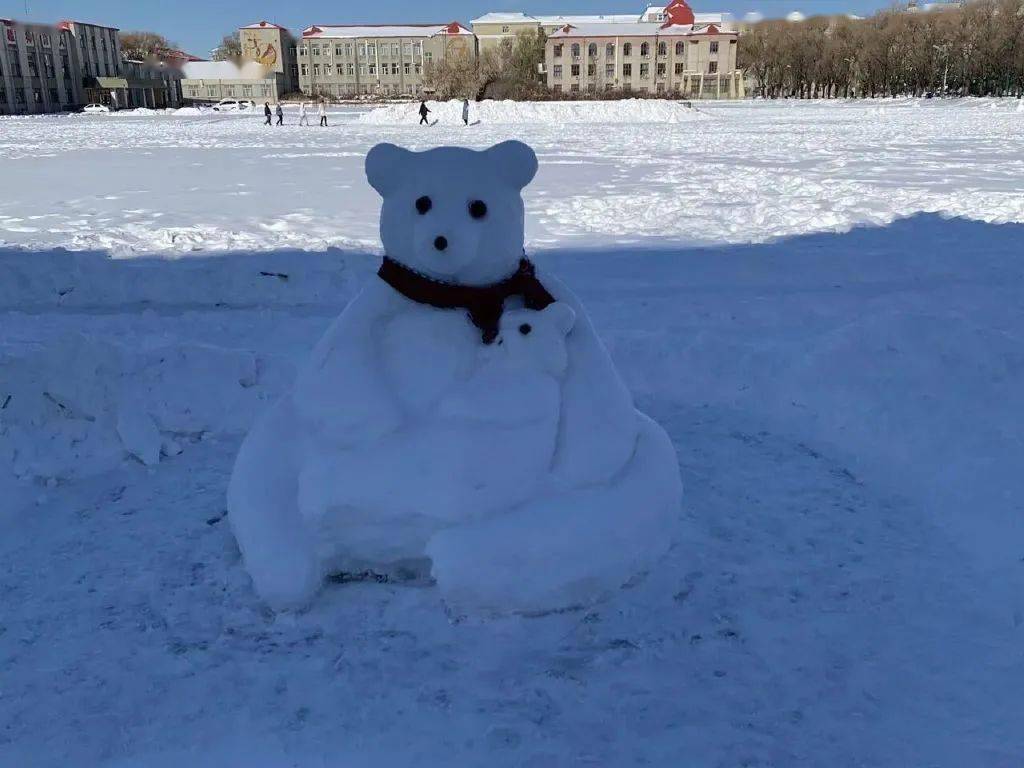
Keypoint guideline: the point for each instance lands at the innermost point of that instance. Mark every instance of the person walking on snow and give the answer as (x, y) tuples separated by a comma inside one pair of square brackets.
[(322, 111), (267, 112), (465, 111), (280, 114), (303, 117), (423, 112)]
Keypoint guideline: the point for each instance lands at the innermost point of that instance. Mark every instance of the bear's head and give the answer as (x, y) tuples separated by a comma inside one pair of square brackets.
[(453, 214), (536, 340)]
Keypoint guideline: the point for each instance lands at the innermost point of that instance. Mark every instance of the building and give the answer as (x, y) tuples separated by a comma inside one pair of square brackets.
[(274, 47), (492, 28), (62, 67), (354, 60), (676, 55), (38, 69), (212, 81)]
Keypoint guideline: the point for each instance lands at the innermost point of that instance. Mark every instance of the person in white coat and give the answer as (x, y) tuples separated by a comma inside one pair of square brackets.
[(465, 111), (303, 117), (322, 111)]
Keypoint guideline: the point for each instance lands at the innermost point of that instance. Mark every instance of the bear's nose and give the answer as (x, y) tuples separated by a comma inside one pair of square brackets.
[(440, 243)]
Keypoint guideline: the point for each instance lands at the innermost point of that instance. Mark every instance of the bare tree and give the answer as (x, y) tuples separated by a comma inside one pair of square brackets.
[(144, 45), (230, 49)]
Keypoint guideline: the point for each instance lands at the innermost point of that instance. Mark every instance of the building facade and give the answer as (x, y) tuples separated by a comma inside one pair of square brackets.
[(672, 55), (62, 67), (352, 61), (211, 81), (275, 48)]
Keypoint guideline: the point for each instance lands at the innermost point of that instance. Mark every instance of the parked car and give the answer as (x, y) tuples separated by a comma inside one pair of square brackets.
[(95, 109), (233, 105)]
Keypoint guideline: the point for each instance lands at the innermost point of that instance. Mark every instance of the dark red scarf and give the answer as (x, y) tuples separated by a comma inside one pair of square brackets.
[(485, 303)]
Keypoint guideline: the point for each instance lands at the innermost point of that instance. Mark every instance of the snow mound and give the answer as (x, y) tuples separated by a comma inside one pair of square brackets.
[(189, 112), (555, 112)]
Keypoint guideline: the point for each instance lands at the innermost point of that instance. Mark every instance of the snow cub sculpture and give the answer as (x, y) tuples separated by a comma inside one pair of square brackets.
[(460, 415)]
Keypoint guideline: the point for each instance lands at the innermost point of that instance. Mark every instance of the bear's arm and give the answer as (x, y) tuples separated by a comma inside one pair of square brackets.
[(599, 425), (341, 394)]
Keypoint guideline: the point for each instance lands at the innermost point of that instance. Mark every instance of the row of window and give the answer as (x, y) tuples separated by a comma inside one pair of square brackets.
[(557, 71), (229, 91), (365, 49), (627, 49), (677, 87), (350, 69)]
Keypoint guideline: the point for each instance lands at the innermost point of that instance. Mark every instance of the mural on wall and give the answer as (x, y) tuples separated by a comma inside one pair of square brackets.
[(254, 50)]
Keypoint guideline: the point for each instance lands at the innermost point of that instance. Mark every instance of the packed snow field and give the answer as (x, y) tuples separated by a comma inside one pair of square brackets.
[(846, 586)]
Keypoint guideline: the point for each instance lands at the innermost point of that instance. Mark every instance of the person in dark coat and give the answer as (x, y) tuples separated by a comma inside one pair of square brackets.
[(280, 114), (423, 112), (267, 112)]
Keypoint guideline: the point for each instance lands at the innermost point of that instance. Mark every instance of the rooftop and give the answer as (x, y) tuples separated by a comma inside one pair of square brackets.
[(384, 30), (264, 25), (638, 29)]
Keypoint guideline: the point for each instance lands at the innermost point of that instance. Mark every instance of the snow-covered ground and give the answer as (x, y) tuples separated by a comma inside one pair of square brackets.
[(846, 405)]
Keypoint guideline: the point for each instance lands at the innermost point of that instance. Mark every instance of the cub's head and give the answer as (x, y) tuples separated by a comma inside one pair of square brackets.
[(454, 214), (536, 340)]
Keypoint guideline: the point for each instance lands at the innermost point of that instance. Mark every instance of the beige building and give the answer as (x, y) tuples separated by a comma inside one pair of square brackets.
[(492, 28), (274, 47), (671, 55), (212, 81), (350, 61)]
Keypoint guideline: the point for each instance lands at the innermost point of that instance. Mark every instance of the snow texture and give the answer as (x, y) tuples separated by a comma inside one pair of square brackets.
[(521, 470), (551, 113), (844, 399)]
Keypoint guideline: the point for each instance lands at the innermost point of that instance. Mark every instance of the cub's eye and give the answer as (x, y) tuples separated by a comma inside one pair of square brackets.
[(478, 209), (423, 204), (525, 329)]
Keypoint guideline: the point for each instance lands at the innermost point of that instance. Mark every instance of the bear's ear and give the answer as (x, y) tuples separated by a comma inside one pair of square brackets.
[(562, 315), (386, 166), (515, 162)]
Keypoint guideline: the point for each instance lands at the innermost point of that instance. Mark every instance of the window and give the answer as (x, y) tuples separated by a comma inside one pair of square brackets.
[(663, 48), (680, 48), (316, 70), (428, 56), (575, 50), (328, 70), (37, 96), (338, 50), (304, 70), (417, 49), (394, 68), (714, 46), (303, 51), (407, 50), (350, 68), (575, 72), (661, 69), (627, 70), (558, 51), (609, 71), (504, 29), (712, 67), (247, 91), (592, 50), (54, 97), (395, 48), (679, 67), (575, 87), (211, 91), (660, 88), (315, 50), (418, 68), (608, 86), (645, 49), (407, 68), (371, 49), (627, 49), (373, 69), (557, 71), (609, 50), (645, 71), (362, 49), (556, 88), (348, 49), (33, 68), (362, 70), (591, 70), (19, 95)]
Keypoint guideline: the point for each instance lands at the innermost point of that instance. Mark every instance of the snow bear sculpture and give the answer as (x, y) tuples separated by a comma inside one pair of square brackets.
[(460, 414)]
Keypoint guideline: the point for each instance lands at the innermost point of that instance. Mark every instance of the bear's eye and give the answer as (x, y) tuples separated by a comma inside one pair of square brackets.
[(525, 329), (423, 204), (478, 209)]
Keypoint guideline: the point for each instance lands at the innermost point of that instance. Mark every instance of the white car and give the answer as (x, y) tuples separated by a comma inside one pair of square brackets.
[(233, 105), (95, 109)]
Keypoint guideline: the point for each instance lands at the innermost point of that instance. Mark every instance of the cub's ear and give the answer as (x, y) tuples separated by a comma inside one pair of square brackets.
[(562, 315), (386, 165), (515, 162)]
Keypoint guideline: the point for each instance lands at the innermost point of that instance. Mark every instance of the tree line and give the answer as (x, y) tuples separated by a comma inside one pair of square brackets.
[(976, 50)]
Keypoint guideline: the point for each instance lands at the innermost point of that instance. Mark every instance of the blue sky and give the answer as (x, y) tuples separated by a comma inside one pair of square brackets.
[(197, 25)]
